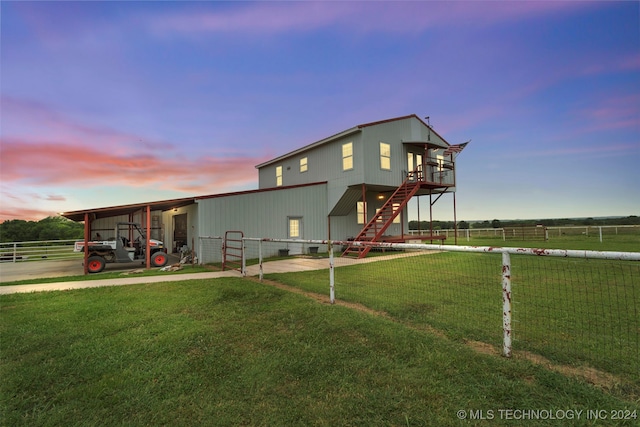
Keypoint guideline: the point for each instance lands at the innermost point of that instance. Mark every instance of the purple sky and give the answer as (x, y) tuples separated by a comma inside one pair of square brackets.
[(109, 103)]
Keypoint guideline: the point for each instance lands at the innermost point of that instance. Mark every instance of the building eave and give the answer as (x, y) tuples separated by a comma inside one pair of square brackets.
[(310, 146), (342, 134)]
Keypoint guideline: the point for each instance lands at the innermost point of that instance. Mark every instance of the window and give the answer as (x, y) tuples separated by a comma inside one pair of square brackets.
[(347, 156), (396, 206), (361, 211), (278, 176), (294, 228), (385, 156), (303, 164), (396, 220)]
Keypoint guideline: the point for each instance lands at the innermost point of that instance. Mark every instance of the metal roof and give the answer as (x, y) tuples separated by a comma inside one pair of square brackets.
[(350, 131), (163, 205)]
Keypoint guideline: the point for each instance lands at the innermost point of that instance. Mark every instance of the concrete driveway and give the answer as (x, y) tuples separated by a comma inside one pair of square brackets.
[(27, 270)]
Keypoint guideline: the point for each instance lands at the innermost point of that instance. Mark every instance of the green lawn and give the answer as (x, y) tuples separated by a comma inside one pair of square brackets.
[(578, 312), (234, 352)]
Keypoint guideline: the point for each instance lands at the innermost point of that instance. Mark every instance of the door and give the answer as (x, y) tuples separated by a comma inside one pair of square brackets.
[(180, 237), (295, 232)]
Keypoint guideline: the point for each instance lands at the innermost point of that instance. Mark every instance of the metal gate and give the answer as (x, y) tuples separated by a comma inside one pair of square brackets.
[(233, 250)]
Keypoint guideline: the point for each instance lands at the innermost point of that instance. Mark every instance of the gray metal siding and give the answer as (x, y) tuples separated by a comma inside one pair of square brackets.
[(392, 133), (324, 164), (264, 214)]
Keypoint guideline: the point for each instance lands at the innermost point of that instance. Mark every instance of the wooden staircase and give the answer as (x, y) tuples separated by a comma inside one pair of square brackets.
[(375, 228)]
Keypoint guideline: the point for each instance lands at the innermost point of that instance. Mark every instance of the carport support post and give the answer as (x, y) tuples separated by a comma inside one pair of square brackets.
[(87, 232), (147, 250)]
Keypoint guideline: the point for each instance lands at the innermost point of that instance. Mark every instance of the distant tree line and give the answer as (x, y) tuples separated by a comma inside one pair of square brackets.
[(496, 223), (51, 228)]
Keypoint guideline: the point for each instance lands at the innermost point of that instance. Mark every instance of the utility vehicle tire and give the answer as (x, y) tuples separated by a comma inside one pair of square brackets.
[(95, 264), (159, 259)]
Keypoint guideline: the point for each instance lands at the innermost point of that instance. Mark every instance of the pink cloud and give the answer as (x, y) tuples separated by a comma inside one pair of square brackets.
[(34, 120), (610, 113), (268, 17), (26, 214), (41, 163)]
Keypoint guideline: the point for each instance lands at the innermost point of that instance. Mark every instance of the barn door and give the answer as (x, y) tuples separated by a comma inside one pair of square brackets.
[(180, 238)]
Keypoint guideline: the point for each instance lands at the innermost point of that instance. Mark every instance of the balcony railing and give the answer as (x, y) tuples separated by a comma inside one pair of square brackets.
[(436, 172)]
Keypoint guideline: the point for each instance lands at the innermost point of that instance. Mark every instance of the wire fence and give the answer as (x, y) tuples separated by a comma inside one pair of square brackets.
[(580, 308)]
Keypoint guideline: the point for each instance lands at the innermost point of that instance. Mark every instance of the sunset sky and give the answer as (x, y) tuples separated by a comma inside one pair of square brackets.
[(110, 103)]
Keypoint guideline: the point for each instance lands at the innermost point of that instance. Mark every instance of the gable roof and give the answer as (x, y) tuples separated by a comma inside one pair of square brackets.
[(344, 133)]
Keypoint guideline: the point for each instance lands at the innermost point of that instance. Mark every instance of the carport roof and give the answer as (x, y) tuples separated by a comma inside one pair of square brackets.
[(166, 205), (163, 205)]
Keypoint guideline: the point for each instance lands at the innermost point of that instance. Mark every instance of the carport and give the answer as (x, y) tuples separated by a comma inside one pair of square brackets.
[(144, 209)]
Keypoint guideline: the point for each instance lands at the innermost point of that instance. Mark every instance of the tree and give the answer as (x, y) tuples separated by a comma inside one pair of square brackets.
[(496, 223), (15, 230), (51, 228)]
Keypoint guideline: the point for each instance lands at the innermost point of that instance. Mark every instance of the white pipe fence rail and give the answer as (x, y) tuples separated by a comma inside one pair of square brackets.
[(571, 305), (551, 232), (41, 250)]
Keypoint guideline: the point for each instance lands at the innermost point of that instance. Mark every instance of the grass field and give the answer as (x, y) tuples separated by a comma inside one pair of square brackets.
[(235, 352), (582, 313)]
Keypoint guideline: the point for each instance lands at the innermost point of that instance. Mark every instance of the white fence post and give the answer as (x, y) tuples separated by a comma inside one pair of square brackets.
[(506, 304), (332, 294), (260, 258)]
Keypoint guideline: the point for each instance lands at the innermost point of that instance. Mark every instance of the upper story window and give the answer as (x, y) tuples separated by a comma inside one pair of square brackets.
[(278, 176), (347, 156), (303, 164), (385, 156)]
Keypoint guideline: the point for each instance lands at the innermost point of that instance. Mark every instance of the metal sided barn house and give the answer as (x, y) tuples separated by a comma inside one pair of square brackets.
[(353, 185)]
